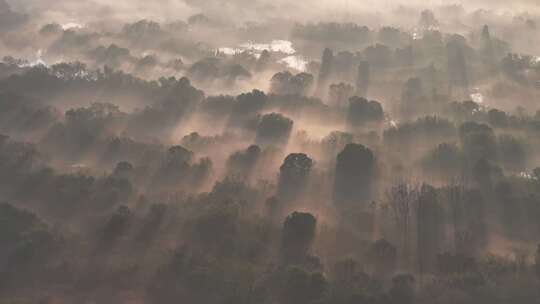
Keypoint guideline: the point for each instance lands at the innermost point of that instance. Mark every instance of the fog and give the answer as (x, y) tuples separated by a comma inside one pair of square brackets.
[(255, 151)]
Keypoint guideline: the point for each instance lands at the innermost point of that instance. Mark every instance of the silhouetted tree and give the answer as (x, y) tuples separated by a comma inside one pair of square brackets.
[(537, 262), (444, 162), (152, 224), (457, 65), (428, 20), (478, 141), (379, 57), (338, 94), (362, 111), (274, 129), (117, 226), (402, 290), (247, 106), (473, 236), (383, 257), (123, 169), (413, 98), (242, 164), (273, 207), (355, 175), (26, 245), (456, 264), (175, 167), (294, 176), (325, 70), (285, 83), (487, 48), (402, 199), (363, 79), (263, 61), (512, 153), (297, 238), (335, 142), (497, 118), (536, 173), (300, 286), (429, 228)]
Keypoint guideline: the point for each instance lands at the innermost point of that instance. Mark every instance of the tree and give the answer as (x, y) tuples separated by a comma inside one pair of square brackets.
[(175, 167), (300, 286), (428, 20), (362, 111), (200, 172), (325, 70), (444, 162), (383, 256), (241, 164), (152, 224), (537, 262), (429, 228), (279, 84), (379, 56), (232, 73), (285, 83), (392, 36), (512, 153), (512, 212), (456, 264), (474, 234), (246, 107), (302, 83), (464, 111), (274, 129), (17, 227), (355, 175), (413, 98), (335, 142), (215, 231), (117, 226), (123, 169), (26, 244), (402, 290), (204, 70), (339, 93), (363, 79), (293, 176), (536, 173), (485, 174), (297, 238), (454, 195), (273, 208), (497, 118), (263, 61), (487, 48), (514, 66), (402, 198), (457, 65), (478, 142)]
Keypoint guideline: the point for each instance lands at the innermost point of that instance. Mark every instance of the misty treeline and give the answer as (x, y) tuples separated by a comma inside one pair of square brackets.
[(156, 163)]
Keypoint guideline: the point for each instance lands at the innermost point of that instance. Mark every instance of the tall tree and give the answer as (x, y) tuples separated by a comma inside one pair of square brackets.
[(294, 175), (355, 175)]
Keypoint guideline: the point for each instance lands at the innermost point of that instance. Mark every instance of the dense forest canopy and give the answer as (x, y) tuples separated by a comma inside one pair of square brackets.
[(275, 152)]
